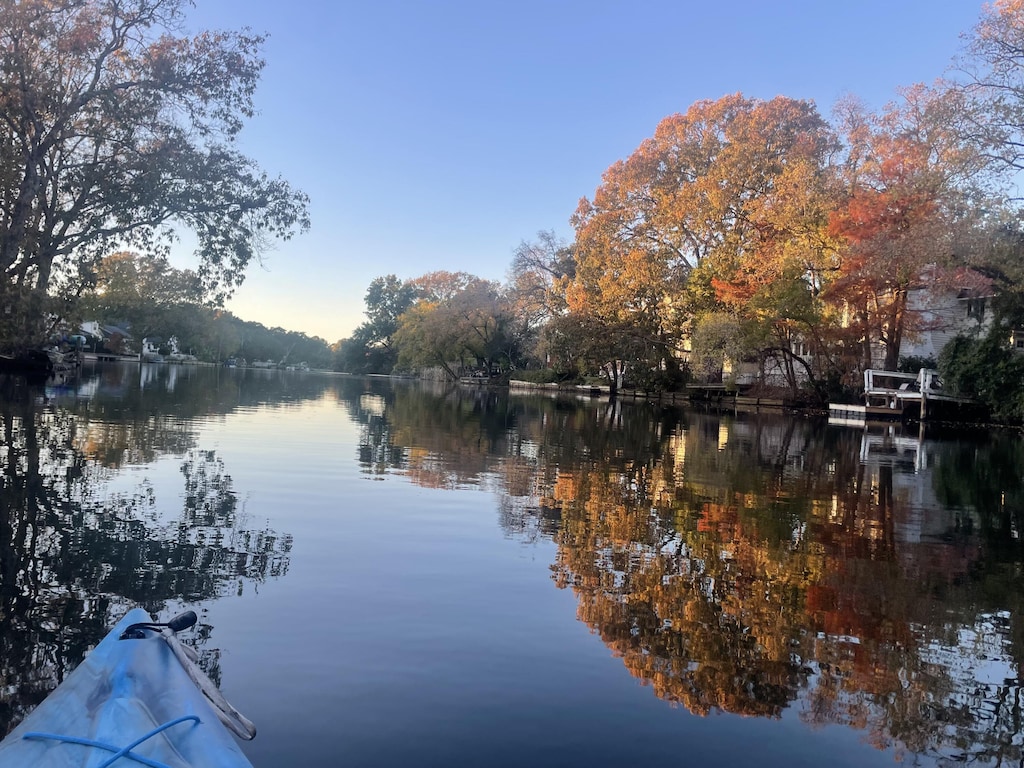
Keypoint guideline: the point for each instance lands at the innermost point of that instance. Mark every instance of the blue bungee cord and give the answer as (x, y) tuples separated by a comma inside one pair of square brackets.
[(227, 714), (119, 752)]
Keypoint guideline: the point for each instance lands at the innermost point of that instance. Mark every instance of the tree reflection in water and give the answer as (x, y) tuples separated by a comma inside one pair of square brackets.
[(765, 569), (756, 565), (74, 555)]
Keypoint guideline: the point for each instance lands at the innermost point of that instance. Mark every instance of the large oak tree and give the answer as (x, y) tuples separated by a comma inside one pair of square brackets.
[(116, 131), (722, 192), (371, 347)]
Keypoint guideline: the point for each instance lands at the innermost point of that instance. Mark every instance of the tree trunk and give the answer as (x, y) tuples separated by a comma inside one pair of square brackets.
[(866, 341), (897, 322)]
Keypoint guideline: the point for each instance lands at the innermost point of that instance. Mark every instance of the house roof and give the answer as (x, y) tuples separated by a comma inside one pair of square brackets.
[(106, 331)]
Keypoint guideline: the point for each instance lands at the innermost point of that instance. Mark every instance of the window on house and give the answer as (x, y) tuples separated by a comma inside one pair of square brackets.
[(976, 309)]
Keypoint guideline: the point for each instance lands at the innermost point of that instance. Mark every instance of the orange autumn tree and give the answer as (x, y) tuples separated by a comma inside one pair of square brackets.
[(692, 204), (908, 195), (774, 283)]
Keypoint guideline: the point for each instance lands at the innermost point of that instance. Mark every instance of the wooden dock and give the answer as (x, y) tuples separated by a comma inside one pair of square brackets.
[(897, 396)]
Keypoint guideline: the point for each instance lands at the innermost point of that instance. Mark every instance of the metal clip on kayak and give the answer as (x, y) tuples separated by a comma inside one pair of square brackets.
[(234, 720)]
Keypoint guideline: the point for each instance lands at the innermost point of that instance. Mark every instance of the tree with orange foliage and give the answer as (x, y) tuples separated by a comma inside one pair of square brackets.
[(774, 284), (909, 195), (711, 196)]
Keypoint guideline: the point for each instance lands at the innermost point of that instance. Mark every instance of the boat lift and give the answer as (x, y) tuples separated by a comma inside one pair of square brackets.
[(888, 395), (897, 390)]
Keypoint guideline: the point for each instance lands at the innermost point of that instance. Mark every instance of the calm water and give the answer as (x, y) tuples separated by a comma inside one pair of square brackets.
[(394, 575)]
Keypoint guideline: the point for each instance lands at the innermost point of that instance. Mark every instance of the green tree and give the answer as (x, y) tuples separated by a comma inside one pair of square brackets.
[(356, 355), (464, 321), (148, 295), (222, 337), (386, 299), (114, 131), (988, 370), (371, 347)]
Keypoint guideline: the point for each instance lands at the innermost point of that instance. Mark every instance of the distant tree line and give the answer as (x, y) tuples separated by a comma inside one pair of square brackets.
[(756, 233), (149, 298)]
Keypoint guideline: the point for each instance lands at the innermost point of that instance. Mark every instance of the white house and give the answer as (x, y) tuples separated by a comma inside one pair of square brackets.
[(943, 316), (113, 337), (939, 308)]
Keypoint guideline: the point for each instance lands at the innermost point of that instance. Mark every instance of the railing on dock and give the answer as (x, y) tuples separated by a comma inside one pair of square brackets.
[(894, 388), (898, 390), (894, 395)]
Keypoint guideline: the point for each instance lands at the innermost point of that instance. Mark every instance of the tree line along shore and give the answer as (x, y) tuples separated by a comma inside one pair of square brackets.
[(747, 243)]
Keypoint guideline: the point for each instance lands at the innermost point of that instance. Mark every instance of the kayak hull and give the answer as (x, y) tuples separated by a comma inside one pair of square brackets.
[(124, 690)]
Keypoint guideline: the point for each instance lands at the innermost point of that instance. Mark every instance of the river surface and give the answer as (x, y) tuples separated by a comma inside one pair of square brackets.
[(394, 574)]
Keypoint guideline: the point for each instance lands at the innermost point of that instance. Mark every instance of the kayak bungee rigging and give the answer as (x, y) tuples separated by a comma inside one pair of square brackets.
[(139, 697)]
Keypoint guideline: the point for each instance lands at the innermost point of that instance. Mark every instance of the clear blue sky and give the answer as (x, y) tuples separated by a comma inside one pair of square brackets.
[(440, 134)]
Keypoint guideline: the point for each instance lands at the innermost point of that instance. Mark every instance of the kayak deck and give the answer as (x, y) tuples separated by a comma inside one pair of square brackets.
[(129, 703)]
